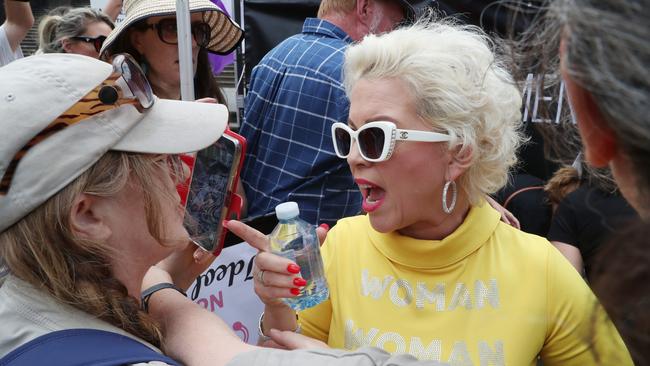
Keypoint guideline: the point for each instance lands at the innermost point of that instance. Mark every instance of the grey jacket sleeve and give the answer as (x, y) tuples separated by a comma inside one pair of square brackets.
[(330, 357)]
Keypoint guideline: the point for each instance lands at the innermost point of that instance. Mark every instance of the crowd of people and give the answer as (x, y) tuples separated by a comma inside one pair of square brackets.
[(388, 122)]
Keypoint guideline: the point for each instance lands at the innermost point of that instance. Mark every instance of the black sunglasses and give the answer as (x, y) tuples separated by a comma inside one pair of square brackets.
[(168, 33), (96, 41)]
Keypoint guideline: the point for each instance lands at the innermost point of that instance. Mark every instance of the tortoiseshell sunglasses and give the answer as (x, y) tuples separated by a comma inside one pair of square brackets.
[(127, 85)]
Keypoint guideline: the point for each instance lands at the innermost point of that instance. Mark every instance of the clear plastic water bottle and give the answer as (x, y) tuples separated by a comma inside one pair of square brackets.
[(296, 240)]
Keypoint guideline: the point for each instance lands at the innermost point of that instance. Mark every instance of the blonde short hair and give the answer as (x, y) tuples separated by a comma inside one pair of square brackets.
[(461, 87), (328, 7)]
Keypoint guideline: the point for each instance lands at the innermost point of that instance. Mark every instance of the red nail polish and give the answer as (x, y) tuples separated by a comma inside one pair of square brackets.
[(224, 223), (325, 226), (295, 291), (299, 281), (293, 268)]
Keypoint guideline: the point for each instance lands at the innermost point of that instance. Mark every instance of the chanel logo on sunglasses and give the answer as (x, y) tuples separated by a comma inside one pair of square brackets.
[(404, 135)]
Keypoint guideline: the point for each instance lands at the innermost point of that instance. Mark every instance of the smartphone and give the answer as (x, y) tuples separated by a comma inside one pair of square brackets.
[(211, 196)]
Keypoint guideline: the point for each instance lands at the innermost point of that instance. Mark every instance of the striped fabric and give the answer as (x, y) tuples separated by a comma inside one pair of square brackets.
[(295, 96)]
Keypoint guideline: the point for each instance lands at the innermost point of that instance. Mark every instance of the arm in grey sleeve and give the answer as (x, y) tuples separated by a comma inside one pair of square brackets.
[(330, 357)]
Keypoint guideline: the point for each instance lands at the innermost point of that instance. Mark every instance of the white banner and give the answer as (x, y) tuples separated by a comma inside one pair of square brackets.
[(226, 289)]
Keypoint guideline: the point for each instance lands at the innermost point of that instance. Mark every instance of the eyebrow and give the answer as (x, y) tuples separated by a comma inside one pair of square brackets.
[(373, 119)]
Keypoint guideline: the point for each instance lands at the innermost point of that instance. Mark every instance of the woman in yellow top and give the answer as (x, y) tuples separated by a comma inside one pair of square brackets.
[(430, 270)]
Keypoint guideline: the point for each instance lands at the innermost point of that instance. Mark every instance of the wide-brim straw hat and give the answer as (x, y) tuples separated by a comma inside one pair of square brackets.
[(225, 33)]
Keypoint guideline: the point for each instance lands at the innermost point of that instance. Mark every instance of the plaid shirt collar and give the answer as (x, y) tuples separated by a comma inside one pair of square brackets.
[(324, 28)]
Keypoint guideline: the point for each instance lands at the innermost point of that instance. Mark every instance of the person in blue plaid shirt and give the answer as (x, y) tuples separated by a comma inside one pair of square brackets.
[(296, 94)]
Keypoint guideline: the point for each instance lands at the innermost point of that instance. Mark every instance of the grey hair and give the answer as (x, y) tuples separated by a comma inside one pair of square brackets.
[(463, 89), (63, 23), (607, 53)]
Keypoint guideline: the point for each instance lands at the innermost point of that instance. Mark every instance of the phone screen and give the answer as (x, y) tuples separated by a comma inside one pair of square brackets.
[(213, 182)]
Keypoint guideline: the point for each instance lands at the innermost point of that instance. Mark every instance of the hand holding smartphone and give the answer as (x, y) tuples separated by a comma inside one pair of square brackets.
[(212, 198)]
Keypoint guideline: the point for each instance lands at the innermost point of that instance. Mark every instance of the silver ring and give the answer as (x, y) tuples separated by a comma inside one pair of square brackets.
[(260, 277)]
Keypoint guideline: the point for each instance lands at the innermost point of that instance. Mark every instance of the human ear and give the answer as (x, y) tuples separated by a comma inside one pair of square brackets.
[(66, 46), (364, 12), (461, 159), (598, 139), (86, 218)]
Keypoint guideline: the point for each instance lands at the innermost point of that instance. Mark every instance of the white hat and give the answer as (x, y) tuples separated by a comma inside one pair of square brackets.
[(225, 34), (34, 91)]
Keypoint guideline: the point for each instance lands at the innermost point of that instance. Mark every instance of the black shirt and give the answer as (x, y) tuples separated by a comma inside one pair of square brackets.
[(586, 218), (525, 198)]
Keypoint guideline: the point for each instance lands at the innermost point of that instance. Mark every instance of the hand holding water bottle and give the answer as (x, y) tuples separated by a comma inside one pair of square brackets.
[(275, 277), (278, 281), (297, 240)]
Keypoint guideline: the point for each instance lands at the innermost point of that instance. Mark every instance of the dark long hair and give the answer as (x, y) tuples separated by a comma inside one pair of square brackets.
[(205, 84), (621, 280)]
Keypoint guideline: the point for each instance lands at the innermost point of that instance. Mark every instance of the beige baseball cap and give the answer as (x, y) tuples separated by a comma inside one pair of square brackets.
[(36, 90)]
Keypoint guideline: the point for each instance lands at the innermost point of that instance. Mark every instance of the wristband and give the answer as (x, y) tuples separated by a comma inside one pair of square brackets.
[(146, 294), (263, 337)]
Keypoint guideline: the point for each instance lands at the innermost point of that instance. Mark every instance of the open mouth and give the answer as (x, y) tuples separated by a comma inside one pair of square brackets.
[(373, 195)]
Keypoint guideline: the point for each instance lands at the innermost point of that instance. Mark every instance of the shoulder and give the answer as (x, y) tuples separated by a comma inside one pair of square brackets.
[(21, 321), (516, 239), (307, 53), (537, 260), (521, 251), (28, 313)]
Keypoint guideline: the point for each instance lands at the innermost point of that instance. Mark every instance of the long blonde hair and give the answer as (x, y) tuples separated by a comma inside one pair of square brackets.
[(42, 250)]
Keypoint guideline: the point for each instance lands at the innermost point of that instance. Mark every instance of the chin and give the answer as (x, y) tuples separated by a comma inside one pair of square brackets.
[(381, 225)]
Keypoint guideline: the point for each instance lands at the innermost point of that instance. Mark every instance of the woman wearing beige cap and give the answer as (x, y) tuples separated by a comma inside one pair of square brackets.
[(149, 34), (87, 199)]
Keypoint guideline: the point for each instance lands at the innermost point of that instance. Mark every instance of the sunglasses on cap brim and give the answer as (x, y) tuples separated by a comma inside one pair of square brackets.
[(376, 140), (127, 85)]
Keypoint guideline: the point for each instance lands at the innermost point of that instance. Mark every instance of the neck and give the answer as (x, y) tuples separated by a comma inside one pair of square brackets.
[(347, 22), (440, 226), (130, 275), (162, 89)]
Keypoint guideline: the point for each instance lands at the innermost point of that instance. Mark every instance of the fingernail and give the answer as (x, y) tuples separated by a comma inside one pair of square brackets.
[(295, 291), (224, 223), (324, 226), (293, 268), (299, 281)]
